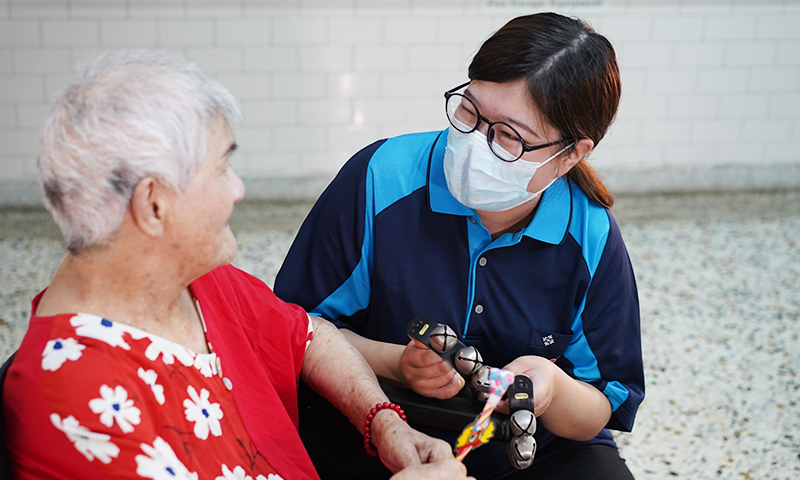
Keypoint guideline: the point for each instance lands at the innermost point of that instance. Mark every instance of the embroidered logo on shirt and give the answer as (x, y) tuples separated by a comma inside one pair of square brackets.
[(548, 340)]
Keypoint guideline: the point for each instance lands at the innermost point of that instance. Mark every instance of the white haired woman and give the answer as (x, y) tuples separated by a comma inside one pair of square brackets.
[(149, 356)]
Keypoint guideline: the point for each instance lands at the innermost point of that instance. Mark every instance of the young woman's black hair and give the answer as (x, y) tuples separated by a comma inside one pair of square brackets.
[(572, 77)]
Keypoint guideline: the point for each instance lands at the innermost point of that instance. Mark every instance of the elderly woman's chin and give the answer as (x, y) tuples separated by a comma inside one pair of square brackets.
[(204, 251), (229, 248)]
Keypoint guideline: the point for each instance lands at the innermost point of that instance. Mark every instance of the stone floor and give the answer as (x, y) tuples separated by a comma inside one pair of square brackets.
[(719, 285)]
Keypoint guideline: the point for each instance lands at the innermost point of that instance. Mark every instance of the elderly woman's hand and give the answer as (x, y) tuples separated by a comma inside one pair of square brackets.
[(400, 446), (443, 470), (428, 374)]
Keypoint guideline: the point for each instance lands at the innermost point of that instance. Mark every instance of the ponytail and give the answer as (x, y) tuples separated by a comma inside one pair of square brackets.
[(589, 181)]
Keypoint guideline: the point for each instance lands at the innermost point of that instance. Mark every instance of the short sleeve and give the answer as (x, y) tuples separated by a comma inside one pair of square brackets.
[(611, 326)]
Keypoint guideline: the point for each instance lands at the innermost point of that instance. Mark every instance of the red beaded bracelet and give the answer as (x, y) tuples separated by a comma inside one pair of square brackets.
[(368, 446)]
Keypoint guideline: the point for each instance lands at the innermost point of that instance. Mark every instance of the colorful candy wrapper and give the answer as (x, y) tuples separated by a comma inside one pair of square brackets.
[(482, 429)]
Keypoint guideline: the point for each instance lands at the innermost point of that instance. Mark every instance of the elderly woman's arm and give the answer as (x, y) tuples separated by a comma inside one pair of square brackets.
[(335, 369)]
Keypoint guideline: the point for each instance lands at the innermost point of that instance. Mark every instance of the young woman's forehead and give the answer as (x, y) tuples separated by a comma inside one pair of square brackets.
[(508, 102)]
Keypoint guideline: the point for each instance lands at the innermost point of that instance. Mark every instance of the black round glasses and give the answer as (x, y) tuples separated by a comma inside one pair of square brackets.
[(504, 141)]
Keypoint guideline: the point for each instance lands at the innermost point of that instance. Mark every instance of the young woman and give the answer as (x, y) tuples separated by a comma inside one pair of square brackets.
[(499, 228)]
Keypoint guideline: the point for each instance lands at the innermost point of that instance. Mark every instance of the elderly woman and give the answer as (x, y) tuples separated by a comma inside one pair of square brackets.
[(149, 356)]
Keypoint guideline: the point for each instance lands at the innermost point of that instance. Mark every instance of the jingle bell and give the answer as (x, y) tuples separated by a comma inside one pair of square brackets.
[(468, 360), (480, 381), (443, 338), (520, 451), (522, 422)]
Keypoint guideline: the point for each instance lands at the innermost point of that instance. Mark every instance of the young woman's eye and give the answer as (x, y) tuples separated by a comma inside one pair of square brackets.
[(465, 112)]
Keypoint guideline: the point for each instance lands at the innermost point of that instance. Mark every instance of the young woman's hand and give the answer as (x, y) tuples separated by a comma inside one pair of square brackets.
[(567, 407), (428, 374), (544, 375)]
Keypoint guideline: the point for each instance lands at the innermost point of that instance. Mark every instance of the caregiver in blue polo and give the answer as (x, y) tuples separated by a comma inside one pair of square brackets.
[(500, 228)]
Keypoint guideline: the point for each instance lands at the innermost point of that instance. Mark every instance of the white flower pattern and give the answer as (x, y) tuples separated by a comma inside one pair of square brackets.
[(120, 396), (91, 444), (98, 328), (169, 351), (238, 473), (114, 406), (161, 463), (206, 363), (204, 414), (58, 351), (149, 377)]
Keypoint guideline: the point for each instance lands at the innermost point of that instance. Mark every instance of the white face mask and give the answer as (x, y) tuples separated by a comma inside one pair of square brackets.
[(480, 180)]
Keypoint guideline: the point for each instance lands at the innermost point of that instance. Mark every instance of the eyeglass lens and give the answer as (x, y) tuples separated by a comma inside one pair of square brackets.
[(504, 141)]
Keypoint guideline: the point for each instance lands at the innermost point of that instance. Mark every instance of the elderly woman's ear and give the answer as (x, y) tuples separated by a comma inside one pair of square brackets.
[(148, 206)]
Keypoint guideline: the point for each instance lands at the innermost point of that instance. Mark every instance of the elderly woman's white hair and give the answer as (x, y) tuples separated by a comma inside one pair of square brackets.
[(126, 116)]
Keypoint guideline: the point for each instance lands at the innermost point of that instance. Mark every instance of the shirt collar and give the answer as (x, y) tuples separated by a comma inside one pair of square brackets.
[(548, 225), (551, 220)]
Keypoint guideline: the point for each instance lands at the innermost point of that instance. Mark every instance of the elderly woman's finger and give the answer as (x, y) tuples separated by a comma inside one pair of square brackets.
[(401, 446), (442, 470)]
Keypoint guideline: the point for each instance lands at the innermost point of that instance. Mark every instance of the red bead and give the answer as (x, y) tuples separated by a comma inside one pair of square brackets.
[(368, 446)]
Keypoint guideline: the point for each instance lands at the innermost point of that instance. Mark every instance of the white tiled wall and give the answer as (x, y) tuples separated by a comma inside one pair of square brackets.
[(711, 88)]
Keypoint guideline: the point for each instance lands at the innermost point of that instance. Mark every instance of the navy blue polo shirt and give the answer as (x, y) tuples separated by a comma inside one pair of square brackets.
[(387, 242)]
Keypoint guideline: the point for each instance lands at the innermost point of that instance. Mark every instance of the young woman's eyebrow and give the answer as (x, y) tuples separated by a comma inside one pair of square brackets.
[(504, 118)]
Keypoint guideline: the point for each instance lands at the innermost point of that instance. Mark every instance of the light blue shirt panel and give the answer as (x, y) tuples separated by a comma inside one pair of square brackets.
[(589, 227), (397, 168)]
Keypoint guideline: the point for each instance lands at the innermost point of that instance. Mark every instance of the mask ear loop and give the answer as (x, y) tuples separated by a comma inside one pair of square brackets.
[(560, 152), (554, 156), (536, 194)]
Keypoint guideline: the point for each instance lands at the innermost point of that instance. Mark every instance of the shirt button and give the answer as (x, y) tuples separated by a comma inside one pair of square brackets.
[(482, 261), (228, 384), (472, 220), (478, 309)]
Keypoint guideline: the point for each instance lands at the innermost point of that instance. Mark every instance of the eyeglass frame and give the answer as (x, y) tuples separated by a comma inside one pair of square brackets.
[(525, 147)]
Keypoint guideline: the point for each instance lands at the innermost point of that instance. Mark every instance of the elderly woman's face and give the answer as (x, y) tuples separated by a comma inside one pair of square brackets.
[(202, 231)]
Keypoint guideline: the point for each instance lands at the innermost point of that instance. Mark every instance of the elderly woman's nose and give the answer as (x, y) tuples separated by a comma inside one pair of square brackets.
[(238, 188)]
